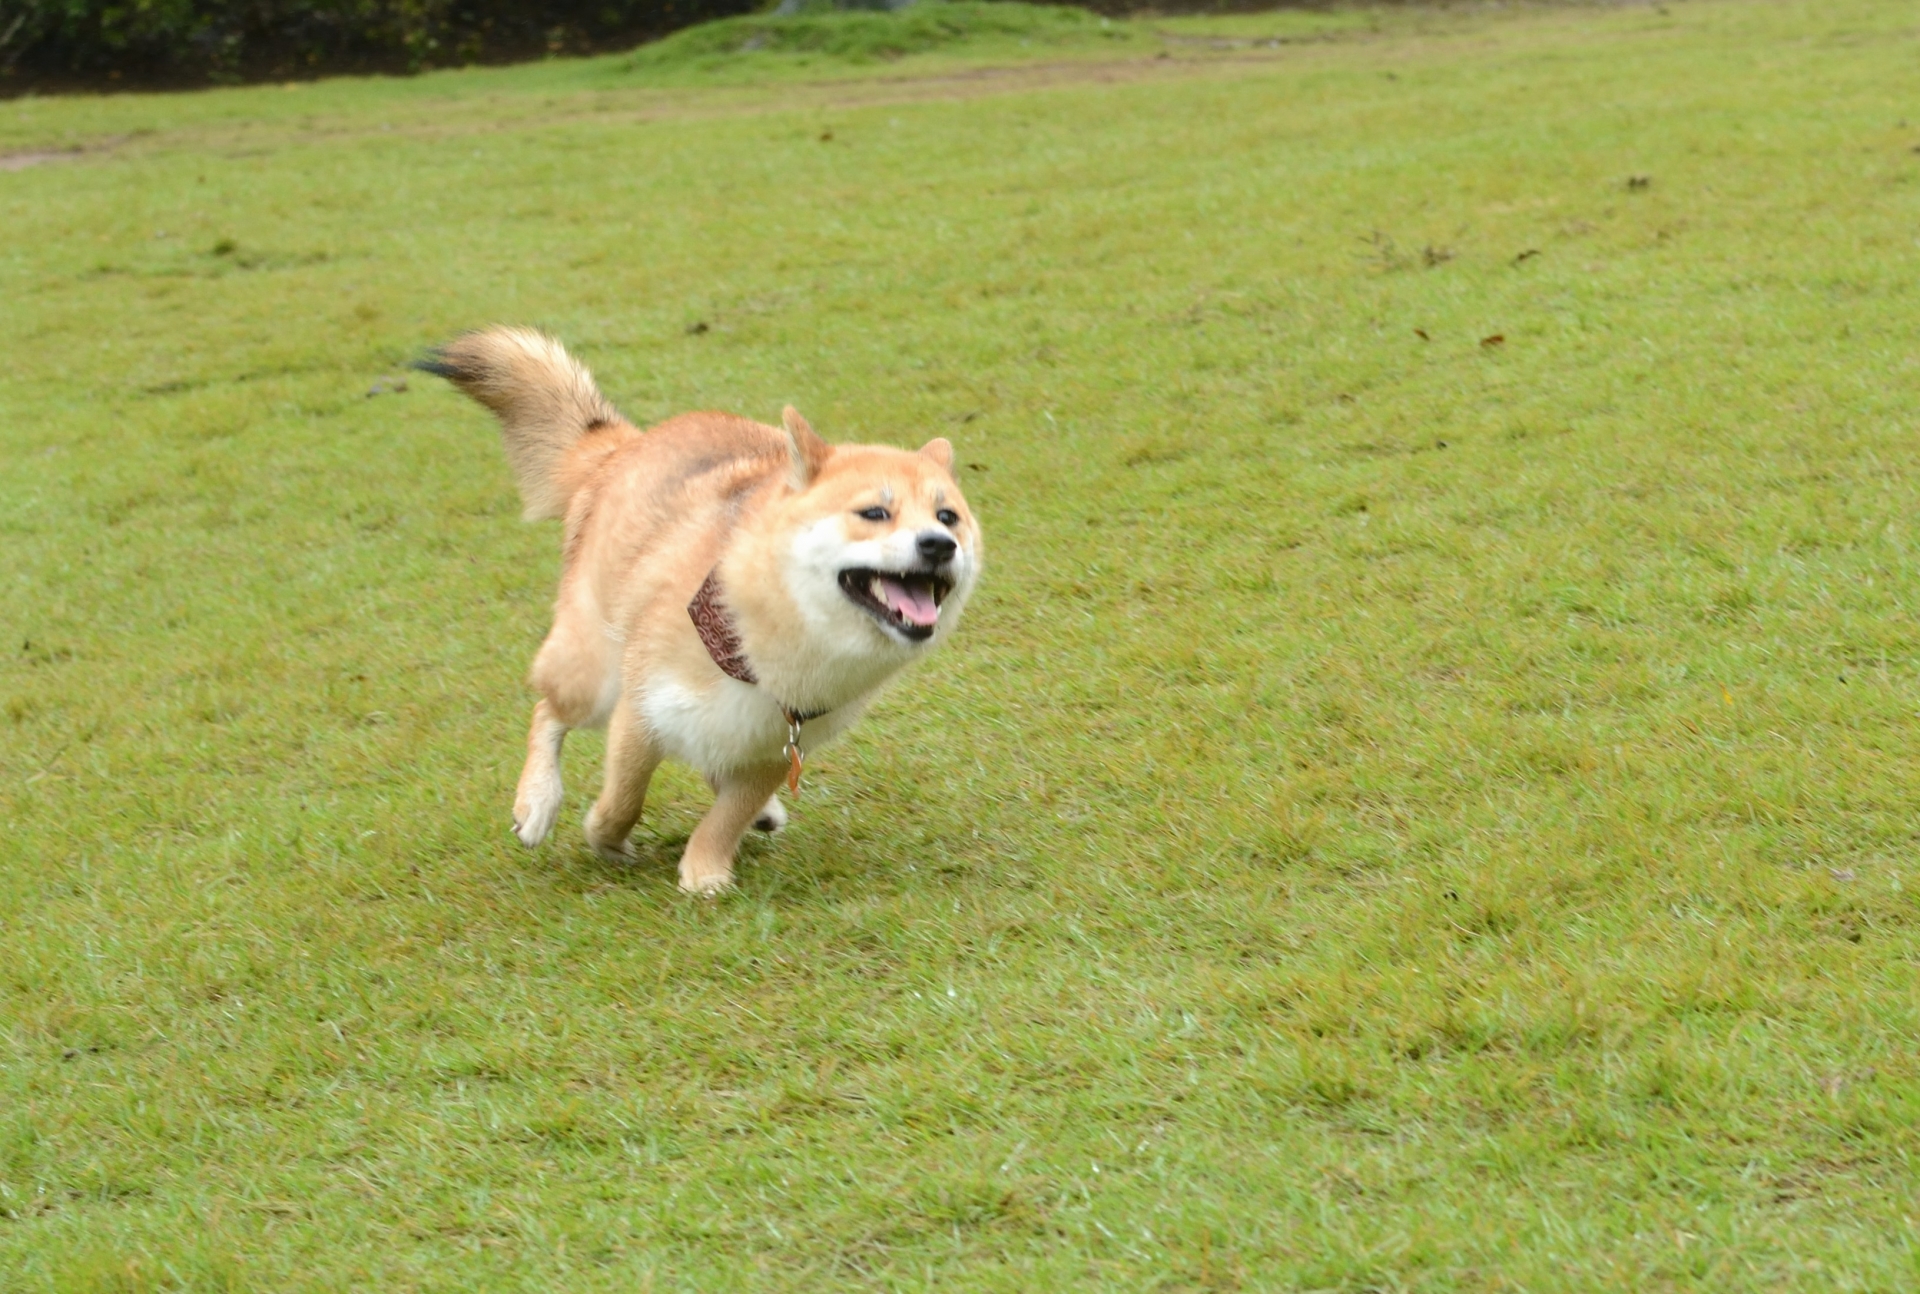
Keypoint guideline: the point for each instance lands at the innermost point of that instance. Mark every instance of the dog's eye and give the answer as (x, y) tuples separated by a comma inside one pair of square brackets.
[(872, 514), (947, 517)]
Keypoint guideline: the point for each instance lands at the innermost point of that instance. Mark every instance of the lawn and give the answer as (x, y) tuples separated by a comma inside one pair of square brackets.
[(1426, 797)]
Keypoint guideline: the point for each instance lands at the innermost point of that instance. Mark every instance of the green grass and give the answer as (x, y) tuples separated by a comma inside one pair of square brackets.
[(1405, 811), (728, 47), (932, 33)]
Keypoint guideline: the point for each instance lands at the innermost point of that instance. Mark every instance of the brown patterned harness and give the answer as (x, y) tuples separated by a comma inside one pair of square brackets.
[(722, 641)]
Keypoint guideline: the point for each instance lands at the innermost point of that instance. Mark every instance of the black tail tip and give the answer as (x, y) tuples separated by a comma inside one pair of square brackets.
[(437, 363)]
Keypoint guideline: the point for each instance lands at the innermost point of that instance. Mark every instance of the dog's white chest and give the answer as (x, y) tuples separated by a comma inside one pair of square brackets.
[(729, 726)]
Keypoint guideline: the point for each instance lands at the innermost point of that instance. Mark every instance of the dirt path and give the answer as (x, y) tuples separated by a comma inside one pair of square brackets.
[(21, 161), (321, 113)]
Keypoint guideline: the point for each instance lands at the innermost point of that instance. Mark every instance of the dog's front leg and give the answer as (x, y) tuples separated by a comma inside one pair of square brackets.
[(537, 801), (631, 759), (707, 866)]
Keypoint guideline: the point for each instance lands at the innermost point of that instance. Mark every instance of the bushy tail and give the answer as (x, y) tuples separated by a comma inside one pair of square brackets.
[(544, 398)]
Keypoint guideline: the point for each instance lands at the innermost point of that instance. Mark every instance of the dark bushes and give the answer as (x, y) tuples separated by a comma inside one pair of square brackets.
[(72, 43)]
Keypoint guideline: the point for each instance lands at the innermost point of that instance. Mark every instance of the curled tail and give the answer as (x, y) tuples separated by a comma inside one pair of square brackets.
[(545, 400)]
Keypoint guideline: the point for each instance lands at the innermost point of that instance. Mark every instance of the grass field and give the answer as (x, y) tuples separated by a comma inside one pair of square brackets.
[(1426, 797)]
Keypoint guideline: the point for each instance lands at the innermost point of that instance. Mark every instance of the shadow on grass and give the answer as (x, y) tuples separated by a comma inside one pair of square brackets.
[(766, 867), (656, 859)]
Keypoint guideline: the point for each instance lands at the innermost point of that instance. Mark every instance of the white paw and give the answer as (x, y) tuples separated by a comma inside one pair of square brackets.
[(534, 810), (612, 851), (772, 816), (707, 886)]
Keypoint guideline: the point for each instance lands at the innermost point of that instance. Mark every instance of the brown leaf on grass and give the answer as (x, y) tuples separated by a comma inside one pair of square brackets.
[(1497, 339), (1421, 333)]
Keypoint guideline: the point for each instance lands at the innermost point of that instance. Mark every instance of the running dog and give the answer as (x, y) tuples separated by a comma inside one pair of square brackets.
[(732, 595)]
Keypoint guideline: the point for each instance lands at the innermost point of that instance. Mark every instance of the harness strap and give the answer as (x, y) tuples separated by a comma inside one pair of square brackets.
[(717, 634), (722, 641)]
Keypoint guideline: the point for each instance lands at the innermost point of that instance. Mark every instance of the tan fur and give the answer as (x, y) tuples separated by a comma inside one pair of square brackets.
[(648, 514), (545, 402)]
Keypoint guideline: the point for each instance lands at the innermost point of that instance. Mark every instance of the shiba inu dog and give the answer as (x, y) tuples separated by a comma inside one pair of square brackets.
[(732, 594)]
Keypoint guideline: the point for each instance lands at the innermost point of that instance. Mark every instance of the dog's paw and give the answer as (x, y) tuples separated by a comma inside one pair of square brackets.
[(533, 818), (612, 851), (536, 803), (772, 816), (708, 885)]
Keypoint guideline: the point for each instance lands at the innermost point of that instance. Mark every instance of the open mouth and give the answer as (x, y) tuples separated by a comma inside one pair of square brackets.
[(908, 601)]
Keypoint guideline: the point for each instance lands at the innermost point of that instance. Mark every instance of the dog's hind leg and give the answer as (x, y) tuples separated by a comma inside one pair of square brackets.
[(772, 816), (537, 801), (631, 759), (578, 678), (707, 866)]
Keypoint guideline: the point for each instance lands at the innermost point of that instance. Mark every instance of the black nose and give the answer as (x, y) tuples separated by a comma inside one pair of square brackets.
[(935, 546)]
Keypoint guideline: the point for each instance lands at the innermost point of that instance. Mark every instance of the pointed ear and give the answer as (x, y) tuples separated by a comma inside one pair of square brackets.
[(808, 451), (940, 450)]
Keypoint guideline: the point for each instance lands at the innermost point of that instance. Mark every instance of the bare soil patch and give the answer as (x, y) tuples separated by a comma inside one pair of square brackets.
[(21, 161)]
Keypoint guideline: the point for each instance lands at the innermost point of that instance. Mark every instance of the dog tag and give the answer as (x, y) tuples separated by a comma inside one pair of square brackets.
[(792, 752)]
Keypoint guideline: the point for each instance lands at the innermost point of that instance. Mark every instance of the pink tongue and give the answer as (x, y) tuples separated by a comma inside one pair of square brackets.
[(914, 605)]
